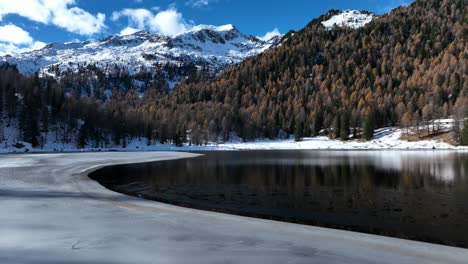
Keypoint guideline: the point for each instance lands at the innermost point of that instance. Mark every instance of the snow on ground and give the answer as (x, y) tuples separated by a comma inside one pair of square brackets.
[(349, 18), (385, 139)]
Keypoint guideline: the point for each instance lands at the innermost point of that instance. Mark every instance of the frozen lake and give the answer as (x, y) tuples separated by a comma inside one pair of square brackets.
[(418, 195), (51, 212)]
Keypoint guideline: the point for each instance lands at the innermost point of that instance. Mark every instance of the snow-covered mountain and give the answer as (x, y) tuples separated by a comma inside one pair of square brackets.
[(348, 18), (143, 52), (142, 59)]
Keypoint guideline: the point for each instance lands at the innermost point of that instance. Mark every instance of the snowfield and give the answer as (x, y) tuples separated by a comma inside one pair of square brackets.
[(51, 212), (349, 18)]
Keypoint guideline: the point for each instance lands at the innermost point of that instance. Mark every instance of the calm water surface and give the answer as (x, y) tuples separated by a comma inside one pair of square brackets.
[(415, 195)]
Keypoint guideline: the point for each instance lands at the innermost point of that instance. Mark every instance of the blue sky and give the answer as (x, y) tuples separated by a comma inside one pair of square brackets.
[(28, 24)]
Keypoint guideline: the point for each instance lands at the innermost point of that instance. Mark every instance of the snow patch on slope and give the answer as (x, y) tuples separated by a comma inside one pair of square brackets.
[(349, 18), (227, 27)]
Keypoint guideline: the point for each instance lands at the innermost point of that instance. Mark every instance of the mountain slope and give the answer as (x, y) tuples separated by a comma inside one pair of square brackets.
[(141, 53), (143, 60)]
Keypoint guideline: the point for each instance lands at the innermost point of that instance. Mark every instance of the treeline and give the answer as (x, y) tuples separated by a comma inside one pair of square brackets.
[(403, 69), (92, 80), (44, 110)]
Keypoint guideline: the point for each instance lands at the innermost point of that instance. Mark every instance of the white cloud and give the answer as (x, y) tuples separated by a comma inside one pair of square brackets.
[(32, 9), (128, 31), (56, 12), (78, 21), (167, 22), (8, 49), (14, 34), (14, 40), (200, 3), (137, 18), (269, 35)]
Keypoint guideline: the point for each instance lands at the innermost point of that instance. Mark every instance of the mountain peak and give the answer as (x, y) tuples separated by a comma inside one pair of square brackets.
[(213, 34), (142, 51), (348, 18)]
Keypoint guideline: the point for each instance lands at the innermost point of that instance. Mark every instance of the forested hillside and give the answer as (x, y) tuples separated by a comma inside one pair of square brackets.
[(403, 69), (410, 63)]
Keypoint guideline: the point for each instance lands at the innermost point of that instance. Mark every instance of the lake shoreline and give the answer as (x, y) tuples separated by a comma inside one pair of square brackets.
[(385, 139)]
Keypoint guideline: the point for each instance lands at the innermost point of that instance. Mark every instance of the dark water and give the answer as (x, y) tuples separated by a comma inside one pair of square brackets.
[(414, 195)]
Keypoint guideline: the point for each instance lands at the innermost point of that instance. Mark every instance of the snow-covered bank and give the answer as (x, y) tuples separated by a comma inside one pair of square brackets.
[(385, 139), (51, 214)]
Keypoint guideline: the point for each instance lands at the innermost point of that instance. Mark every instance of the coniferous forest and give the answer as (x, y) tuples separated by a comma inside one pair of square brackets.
[(405, 68)]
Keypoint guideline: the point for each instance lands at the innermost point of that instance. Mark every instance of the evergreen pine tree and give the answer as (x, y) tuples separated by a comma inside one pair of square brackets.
[(369, 126), (149, 134), (317, 123), (345, 129), (2, 92), (336, 129), (11, 102), (464, 134), (298, 131), (44, 123), (29, 119), (1, 114), (83, 136)]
